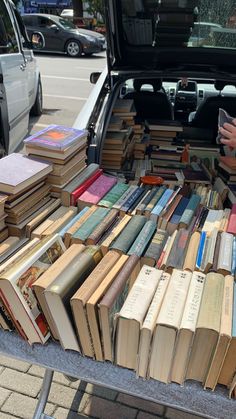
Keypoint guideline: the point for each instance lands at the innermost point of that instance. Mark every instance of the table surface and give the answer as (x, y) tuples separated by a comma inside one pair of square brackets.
[(189, 398)]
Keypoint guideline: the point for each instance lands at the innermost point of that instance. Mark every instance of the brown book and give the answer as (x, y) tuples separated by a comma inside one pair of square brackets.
[(155, 248), (112, 302), (60, 291), (41, 215), (81, 297), (191, 255), (207, 328), (69, 257), (229, 366), (62, 169), (225, 335), (163, 220), (97, 233), (68, 176), (7, 244), (3, 234), (92, 309), (14, 200), (216, 253), (77, 225), (54, 222)]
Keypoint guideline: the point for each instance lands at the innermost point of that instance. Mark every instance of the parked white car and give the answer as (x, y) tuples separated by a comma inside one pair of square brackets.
[(20, 83)]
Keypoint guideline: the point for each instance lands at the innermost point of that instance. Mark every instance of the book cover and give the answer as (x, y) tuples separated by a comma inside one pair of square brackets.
[(167, 326), (155, 248), (161, 203), (16, 288), (104, 225), (200, 251), (17, 172), (89, 225), (97, 190), (128, 235), (143, 238), (191, 254), (113, 195), (174, 220), (81, 189), (114, 233), (189, 211), (207, 327), (112, 302), (56, 137), (80, 298), (225, 254), (132, 314), (148, 326), (131, 200), (232, 220), (187, 327), (60, 291), (178, 250)]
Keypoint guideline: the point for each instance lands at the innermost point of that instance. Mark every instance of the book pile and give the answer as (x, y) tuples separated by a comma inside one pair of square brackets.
[(163, 133), (125, 109), (3, 227), (227, 169), (115, 148), (23, 180), (64, 148)]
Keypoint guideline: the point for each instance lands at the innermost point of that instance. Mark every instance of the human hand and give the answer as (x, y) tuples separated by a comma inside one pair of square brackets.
[(228, 132)]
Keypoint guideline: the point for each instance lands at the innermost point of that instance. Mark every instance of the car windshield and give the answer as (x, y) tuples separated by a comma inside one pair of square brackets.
[(184, 23), (66, 24)]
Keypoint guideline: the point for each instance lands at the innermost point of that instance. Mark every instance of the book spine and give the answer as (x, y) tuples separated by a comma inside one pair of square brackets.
[(91, 223), (200, 250), (128, 235), (154, 200), (102, 227), (81, 189), (124, 197), (190, 210), (161, 204), (112, 196), (141, 207), (143, 239), (131, 200)]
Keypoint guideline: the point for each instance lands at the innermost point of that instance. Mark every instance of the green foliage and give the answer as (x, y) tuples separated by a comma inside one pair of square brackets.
[(95, 8)]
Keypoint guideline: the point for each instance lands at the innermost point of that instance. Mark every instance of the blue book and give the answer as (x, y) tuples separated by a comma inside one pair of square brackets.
[(201, 249), (89, 225), (72, 222), (189, 211), (161, 204), (142, 241), (179, 210), (130, 201)]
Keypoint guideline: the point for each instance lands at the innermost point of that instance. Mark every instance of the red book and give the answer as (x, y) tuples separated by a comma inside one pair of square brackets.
[(82, 188), (232, 220)]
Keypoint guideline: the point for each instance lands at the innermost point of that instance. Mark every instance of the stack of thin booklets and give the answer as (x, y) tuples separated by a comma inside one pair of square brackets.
[(64, 148)]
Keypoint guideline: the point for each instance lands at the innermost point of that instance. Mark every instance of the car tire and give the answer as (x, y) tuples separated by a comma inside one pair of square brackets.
[(37, 108), (74, 48)]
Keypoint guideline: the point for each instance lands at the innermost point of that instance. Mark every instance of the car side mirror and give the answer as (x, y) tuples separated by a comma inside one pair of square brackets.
[(94, 77), (37, 40), (54, 27)]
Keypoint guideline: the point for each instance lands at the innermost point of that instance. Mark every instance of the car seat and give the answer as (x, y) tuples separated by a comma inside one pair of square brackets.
[(206, 115), (153, 104)]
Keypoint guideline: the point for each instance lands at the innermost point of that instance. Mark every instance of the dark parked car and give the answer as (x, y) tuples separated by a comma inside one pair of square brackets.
[(63, 36)]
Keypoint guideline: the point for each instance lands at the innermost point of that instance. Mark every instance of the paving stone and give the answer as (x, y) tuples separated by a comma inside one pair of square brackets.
[(62, 413), (36, 370), (64, 396), (20, 382), (4, 394), (23, 406), (106, 409), (1, 369), (100, 391), (145, 415), (6, 416), (141, 404), (14, 363), (61, 379), (178, 414)]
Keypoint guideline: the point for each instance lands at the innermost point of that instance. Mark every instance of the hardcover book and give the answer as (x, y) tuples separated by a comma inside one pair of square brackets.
[(148, 326), (225, 334), (191, 254), (207, 328), (187, 328), (128, 235), (17, 172), (113, 195), (132, 314), (57, 137), (189, 211), (60, 291), (104, 225), (80, 298), (155, 248), (114, 233), (141, 242), (16, 288), (112, 302), (96, 191), (81, 235), (225, 254), (232, 220), (167, 326)]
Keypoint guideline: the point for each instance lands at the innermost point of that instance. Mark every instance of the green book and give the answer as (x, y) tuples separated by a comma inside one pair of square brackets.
[(113, 195), (129, 234), (189, 211), (89, 225), (154, 200), (155, 248), (142, 241)]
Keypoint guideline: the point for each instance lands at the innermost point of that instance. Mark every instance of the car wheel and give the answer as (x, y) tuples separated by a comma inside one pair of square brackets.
[(73, 48), (37, 108)]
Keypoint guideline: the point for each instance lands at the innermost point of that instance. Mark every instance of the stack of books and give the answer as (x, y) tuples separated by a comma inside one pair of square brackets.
[(23, 180), (125, 109), (3, 227), (227, 169), (163, 133), (115, 148), (64, 148)]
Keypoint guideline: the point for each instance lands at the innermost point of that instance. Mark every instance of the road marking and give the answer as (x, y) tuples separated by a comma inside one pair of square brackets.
[(66, 97), (64, 78), (89, 68)]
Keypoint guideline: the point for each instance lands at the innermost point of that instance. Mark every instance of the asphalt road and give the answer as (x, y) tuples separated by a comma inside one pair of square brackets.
[(66, 87)]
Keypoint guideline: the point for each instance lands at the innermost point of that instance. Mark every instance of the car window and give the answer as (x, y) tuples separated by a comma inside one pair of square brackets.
[(67, 24), (30, 20), (8, 37), (44, 22)]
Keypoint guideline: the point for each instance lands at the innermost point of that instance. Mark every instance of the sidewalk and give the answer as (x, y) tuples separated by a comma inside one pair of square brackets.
[(20, 385)]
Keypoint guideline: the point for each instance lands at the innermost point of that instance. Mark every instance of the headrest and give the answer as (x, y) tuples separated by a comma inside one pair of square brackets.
[(219, 84), (155, 83)]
